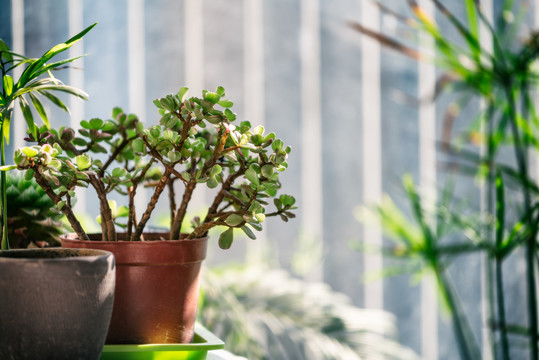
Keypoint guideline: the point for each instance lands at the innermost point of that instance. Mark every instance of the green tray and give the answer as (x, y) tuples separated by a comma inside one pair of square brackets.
[(203, 342)]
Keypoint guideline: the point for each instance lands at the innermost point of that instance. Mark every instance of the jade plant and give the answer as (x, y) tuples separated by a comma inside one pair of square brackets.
[(195, 143), (35, 82)]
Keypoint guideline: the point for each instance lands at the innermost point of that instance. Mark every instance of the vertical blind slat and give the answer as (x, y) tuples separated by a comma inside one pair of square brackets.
[(311, 155), (427, 175), (372, 149), (17, 24)]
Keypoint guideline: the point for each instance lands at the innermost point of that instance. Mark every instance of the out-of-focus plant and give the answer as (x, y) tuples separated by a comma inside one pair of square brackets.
[(264, 313), (35, 83), (504, 79)]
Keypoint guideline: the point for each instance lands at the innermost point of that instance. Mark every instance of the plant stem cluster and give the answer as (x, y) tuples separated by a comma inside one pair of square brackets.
[(194, 143)]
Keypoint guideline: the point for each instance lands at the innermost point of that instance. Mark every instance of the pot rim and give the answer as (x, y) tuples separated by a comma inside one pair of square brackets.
[(76, 254), (73, 237)]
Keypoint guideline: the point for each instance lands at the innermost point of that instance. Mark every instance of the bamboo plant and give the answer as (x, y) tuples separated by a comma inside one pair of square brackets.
[(194, 143), (504, 79), (35, 82)]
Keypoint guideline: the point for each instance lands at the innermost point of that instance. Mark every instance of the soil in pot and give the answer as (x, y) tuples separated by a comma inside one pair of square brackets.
[(157, 287), (56, 303)]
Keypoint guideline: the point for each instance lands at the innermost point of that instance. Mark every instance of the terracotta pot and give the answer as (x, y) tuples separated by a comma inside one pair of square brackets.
[(55, 303), (157, 286)]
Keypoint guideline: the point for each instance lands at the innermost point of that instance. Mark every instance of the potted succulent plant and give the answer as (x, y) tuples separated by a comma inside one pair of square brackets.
[(56, 303), (196, 143), (32, 218)]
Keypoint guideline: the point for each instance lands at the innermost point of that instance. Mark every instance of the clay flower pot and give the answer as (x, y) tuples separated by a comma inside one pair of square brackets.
[(56, 303), (157, 287)]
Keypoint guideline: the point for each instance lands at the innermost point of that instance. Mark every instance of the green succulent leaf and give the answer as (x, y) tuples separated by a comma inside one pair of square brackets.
[(234, 220), (248, 232), (138, 145), (30, 151), (96, 124), (226, 103), (212, 97), (226, 238), (119, 172), (83, 162), (212, 182), (252, 176), (220, 91), (181, 94)]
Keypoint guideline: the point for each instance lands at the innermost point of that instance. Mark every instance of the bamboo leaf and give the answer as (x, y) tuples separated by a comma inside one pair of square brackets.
[(8, 84), (40, 109), (28, 116), (34, 69), (54, 100)]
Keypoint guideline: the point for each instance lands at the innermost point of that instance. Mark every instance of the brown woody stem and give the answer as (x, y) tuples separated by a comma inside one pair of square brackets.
[(132, 218), (180, 214), (107, 222), (68, 212), (221, 195), (172, 201), (151, 205), (203, 229)]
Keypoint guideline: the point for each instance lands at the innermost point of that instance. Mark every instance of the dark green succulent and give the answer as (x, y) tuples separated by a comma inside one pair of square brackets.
[(31, 215)]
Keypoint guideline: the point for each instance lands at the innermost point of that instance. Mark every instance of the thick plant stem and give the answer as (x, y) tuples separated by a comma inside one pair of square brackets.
[(531, 240), (501, 310), (489, 258), (151, 205), (182, 210), (107, 222)]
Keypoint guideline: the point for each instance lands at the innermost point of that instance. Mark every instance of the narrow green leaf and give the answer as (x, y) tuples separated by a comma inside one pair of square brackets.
[(8, 167), (54, 100), (31, 71), (248, 232), (6, 126), (500, 209), (40, 109), (8, 85), (28, 116), (6, 53)]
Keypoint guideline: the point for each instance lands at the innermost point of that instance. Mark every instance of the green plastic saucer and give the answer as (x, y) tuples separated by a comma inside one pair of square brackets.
[(203, 342)]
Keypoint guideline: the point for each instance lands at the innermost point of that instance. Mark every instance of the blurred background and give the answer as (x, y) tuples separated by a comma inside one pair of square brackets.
[(357, 116)]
